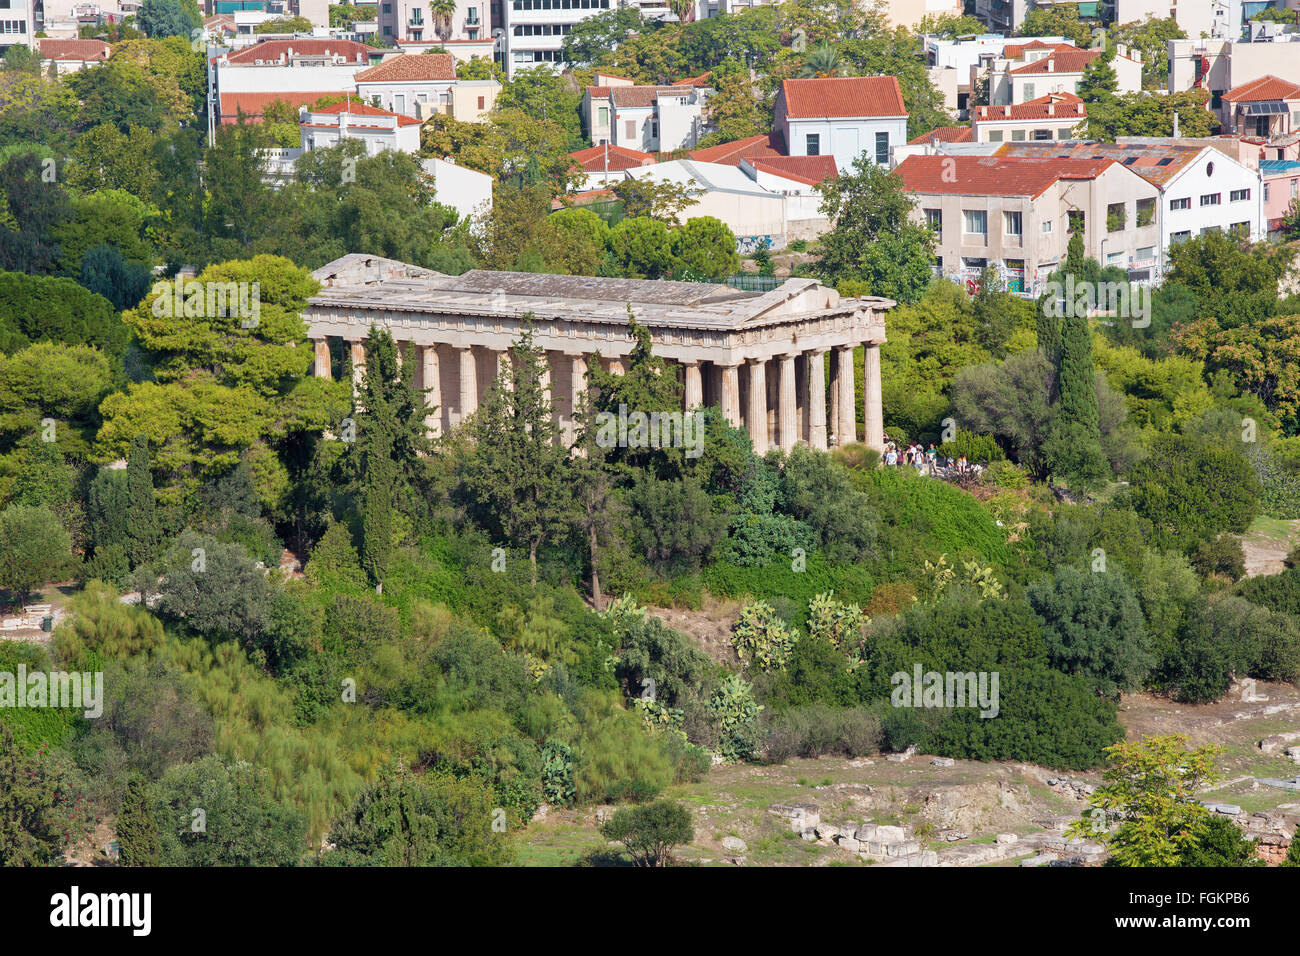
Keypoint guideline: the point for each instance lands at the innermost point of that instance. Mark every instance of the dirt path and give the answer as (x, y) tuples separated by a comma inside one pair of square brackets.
[(1267, 543)]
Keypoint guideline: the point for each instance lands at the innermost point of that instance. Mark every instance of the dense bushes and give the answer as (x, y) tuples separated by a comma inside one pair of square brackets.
[(818, 730)]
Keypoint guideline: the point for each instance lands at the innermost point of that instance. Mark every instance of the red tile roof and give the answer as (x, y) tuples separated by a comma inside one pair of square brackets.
[(253, 105), (1067, 61), (272, 51), (1051, 106), (584, 198), (1017, 51), (1265, 88), (594, 158), (55, 49), (634, 96), (1145, 160), (843, 96), (410, 67), (943, 134), (363, 109), (764, 145), (813, 170), (993, 175), (701, 80)]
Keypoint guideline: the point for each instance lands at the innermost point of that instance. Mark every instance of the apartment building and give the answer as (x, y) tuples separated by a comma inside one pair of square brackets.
[(376, 128), (1017, 214), (1209, 18), (1266, 109), (644, 118), (534, 29), (298, 71), (1055, 116), (1281, 187), (1201, 189), (411, 21), (19, 21), (952, 64), (399, 83), (844, 117)]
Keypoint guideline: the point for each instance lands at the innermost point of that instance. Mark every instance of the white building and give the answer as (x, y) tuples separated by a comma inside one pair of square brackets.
[(1201, 189), (644, 118), (467, 191), (377, 129), (299, 72), (1051, 117), (534, 29), (1027, 71), (1219, 19), (844, 117), (951, 63), (398, 83), (18, 23), (69, 56)]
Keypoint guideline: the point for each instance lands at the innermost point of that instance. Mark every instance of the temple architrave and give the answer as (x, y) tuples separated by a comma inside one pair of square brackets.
[(764, 358)]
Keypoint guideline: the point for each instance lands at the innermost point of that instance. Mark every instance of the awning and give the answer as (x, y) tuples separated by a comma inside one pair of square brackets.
[(1268, 108)]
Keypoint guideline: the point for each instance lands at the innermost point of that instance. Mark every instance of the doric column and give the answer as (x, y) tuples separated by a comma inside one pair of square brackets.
[(848, 426), (756, 421), (694, 385), (787, 407), (468, 383), (322, 358), (431, 381), (816, 399), (577, 395), (833, 423), (358, 350), (545, 377), (873, 418), (731, 395), (502, 367)]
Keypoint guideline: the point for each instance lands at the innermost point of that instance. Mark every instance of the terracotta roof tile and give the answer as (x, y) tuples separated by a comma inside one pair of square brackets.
[(271, 51), (993, 175), (253, 105), (411, 67), (1265, 88), (1072, 61), (943, 134), (760, 146), (1051, 106), (594, 158), (1157, 164), (812, 170), (56, 49), (843, 96), (363, 109)]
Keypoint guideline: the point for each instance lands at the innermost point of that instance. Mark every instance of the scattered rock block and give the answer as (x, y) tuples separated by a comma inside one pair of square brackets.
[(802, 816), (1003, 838), (942, 761), (735, 844), (891, 834)]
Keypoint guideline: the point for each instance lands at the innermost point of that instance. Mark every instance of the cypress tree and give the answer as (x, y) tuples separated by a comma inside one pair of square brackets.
[(137, 829), (377, 428), (141, 509)]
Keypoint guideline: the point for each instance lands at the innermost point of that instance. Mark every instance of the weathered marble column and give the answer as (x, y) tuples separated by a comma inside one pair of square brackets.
[(757, 419), (848, 425), (694, 385), (358, 351), (503, 368), (816, 399), (833, 423), (787, 414), (577, 395), (322, 358), (731, 395), (468, 383), (873, 418), (431, 381)]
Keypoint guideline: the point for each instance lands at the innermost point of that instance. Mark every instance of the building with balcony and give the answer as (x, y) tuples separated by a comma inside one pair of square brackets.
[(297, 71), (644, 118), (1266, 109), (410, 21), (399, 83), (1016, 214), (535, 29), (19, 21), (1027, 71), (376, 128)]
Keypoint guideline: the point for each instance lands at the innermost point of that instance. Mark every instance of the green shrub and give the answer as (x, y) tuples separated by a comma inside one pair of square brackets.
[(1223, 555), (736, 713), (979, 449), (818, 730)]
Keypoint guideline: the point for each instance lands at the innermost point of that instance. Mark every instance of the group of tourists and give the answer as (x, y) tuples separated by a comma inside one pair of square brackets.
[(925, 460)]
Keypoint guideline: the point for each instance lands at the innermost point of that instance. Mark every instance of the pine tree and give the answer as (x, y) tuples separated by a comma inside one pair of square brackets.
[(137, 829), (518, 474), (142, 518)]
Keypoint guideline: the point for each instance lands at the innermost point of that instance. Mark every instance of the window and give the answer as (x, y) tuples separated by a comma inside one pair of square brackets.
[(882, 149), (1029, 91), (1042, 135), (471, 16), (388, 31), (1177, 237), (1017, 135), (1145, 253), (1175, 204), (602, 116), (1063, 133), (1239, 195), (1116, 217), (1047, 227), (1210, 199), (417, 17), (1011, 222), (1266, 192), (388, 8), (1114, 258), (1209, 229), (812, 144), (975, 222), (1146, 212), (1241, 229), (482, 102), (995, 136), (1294, 189), (934, 219), (1078, 220)]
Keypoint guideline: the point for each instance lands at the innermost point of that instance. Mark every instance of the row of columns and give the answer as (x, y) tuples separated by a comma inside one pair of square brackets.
[(841, 428)]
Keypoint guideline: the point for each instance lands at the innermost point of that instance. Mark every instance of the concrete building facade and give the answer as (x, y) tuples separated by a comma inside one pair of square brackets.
[(762, 358)]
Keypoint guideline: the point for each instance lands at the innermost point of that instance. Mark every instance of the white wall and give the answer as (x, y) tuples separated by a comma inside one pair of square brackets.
[(844, 139), (466, 190)]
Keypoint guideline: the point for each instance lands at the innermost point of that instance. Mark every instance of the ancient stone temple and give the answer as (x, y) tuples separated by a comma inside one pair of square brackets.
[(764, 358)]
